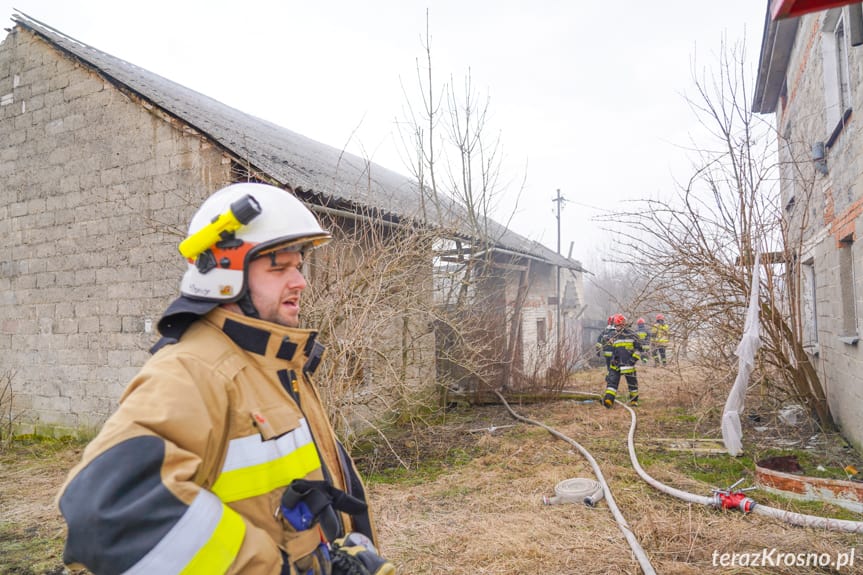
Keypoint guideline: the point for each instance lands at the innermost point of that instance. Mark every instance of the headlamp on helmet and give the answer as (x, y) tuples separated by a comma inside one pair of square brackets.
[(221, 228)]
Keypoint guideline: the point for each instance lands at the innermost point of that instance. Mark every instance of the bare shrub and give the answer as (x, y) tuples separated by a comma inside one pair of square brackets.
[(7, 412), (416, 307), (694, 253)]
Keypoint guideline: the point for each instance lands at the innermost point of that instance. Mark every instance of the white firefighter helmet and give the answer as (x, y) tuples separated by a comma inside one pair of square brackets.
[(272, 219)]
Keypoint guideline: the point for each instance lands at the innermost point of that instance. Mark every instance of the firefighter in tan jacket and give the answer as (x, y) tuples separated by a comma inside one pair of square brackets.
[(220, 457)]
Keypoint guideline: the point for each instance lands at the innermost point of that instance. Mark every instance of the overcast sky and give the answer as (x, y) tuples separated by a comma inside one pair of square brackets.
[(587, 97)]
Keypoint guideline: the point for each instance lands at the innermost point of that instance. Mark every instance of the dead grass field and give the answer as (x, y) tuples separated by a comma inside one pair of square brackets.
[(486, 516), (471, 503)]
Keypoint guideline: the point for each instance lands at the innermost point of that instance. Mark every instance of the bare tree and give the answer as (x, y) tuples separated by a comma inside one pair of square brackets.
[(457, 157), (695, 252), (415, 306)]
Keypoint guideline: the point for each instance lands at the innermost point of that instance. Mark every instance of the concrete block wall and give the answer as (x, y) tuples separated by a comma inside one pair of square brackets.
[(835, 210), (95, 194)]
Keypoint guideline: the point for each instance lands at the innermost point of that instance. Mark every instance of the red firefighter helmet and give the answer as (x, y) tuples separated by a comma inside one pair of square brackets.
[(660, 317), (641, 321), (619, 320)]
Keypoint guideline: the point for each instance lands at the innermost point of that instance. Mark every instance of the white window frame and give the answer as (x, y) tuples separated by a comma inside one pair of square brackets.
[(848, 291), (809, 307), (835, 49)]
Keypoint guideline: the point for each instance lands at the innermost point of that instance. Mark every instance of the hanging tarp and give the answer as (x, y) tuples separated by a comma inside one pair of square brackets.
[(732, 433)]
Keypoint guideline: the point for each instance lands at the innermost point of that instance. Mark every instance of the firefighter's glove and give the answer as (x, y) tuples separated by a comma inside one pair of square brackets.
[(306, 503), (355, 554)]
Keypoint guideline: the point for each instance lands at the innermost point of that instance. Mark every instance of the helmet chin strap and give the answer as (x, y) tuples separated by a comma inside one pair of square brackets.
[(247, 306)]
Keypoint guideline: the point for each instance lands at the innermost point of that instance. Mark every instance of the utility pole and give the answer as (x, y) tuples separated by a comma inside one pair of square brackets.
[(559, 201)]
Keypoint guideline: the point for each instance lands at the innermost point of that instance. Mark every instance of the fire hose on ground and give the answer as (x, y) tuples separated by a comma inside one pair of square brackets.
[(720, 499), (637, 550), (730, 499)]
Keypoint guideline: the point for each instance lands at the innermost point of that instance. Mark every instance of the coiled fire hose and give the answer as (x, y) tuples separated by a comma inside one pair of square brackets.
[(637, 550), (578, 490)]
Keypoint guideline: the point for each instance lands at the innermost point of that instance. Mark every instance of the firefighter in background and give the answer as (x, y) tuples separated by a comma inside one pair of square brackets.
[(603, 342), (625, 355), (659, 340), (644, 336)]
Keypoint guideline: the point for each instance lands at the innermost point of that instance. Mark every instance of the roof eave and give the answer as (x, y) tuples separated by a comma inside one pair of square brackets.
[(790, 8), (776, 44)]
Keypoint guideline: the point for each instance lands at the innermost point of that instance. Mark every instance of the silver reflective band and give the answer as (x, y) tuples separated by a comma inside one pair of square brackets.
[(180, 545), (252, 450)]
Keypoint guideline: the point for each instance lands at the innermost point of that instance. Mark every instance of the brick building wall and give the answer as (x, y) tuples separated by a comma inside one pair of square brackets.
[(824, 212), (95, 193)]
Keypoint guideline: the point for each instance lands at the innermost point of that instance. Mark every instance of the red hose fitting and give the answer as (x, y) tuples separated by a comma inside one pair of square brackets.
[(733, 500)]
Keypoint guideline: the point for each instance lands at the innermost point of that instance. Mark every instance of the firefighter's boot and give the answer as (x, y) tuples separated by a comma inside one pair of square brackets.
[(633, 398), (608, 400)]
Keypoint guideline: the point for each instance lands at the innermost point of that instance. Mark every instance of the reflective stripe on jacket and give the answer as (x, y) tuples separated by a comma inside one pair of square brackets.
[(625, 354), (185, 476), (659, 333)]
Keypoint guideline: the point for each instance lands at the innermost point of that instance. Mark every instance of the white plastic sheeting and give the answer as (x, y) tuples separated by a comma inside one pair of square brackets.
[(732, 433)]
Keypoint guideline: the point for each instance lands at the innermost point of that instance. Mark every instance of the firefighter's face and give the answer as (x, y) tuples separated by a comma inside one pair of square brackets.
[(275, 284)]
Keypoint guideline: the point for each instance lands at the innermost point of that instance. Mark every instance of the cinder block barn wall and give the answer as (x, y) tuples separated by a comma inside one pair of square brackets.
[(95, 192)]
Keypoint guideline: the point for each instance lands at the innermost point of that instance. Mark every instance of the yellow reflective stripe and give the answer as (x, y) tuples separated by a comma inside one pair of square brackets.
[(253, 450), (222, 547), (262, 478)]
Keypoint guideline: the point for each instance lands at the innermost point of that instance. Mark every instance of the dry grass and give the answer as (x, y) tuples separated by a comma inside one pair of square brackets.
[(31, 529), (483, 514), (487, 517)]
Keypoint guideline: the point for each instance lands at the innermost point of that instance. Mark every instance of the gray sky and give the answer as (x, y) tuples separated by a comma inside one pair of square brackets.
[(587, 97)]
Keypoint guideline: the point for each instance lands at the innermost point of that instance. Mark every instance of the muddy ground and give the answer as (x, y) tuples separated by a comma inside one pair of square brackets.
[(470, 501)]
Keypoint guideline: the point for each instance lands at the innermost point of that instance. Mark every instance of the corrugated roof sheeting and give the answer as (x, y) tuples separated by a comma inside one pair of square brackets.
[(336, 177)]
